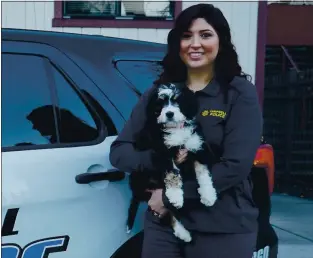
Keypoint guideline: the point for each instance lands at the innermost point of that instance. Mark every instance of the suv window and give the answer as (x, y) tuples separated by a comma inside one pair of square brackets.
[(24, 89), (76, 123), (40, 106), (141, 74)]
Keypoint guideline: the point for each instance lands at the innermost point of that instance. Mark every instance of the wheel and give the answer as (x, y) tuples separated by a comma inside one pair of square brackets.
[(131, 247)]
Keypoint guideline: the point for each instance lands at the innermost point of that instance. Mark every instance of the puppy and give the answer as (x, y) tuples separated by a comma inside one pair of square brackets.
[(170, 126)]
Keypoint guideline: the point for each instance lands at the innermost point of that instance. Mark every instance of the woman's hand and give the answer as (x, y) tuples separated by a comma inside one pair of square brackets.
[(156, 203), (181, 156)]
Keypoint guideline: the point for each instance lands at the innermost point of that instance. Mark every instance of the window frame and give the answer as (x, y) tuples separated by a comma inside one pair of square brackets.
[(53, 104), (44, 51), (60, 21), (101, 127), (131, 83)]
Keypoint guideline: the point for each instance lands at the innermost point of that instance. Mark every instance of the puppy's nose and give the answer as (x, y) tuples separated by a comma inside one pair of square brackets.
[(169, 114)]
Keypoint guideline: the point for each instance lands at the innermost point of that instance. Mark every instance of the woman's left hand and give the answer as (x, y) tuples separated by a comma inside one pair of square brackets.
[(156, 203)]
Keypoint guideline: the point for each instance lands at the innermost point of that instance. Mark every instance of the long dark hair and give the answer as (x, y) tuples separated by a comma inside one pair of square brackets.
[(226, 63)]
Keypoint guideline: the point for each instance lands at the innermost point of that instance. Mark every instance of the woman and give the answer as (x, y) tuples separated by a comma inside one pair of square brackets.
[(201, 55)]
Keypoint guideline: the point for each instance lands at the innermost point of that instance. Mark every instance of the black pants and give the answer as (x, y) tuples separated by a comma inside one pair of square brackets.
[(159, 241)]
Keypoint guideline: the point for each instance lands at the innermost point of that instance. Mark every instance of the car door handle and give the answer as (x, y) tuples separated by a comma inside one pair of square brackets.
[(111, 176)]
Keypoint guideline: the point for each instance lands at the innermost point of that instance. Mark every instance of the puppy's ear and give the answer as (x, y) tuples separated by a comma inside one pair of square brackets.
[(150, 109), (188, 103), (142, 138), (145, 137)]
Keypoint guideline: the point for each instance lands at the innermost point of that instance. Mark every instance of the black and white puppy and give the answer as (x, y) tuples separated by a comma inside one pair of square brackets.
[(171, 126), (175, 110)]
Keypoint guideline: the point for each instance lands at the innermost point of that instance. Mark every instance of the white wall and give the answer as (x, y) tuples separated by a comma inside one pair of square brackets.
[(242, 17), (38, 16)]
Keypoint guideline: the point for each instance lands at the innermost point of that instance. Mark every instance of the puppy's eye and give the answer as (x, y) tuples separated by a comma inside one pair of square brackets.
[(162, 96), (176, 94)]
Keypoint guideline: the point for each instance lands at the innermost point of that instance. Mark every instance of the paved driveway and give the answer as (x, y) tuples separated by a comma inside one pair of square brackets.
[(292, 219)]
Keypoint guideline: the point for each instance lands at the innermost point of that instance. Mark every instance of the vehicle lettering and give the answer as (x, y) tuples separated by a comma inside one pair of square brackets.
[(10, 251), (262, 253), (37, 249), (7, 228)]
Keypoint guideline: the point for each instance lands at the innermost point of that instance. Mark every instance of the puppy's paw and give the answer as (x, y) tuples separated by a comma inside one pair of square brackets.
[(175, 196), (183, 235), (181, 232), (208, 195)]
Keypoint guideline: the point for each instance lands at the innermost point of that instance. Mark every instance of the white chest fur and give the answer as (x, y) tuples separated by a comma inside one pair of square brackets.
[(194, 143), (183, 137)]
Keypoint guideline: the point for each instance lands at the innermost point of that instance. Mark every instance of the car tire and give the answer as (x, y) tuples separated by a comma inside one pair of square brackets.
[(133, 246)]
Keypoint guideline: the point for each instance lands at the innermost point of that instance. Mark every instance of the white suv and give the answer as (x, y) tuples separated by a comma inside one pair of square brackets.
[(64, 100)]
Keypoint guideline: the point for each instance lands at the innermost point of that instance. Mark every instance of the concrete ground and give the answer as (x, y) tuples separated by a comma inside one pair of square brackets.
[(292, 219)]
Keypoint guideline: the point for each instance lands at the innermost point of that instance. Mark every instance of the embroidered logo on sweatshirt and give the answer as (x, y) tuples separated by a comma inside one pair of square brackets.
[(213, 112)]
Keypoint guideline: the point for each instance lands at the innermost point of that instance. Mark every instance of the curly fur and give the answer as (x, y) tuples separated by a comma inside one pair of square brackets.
[(171, 126)]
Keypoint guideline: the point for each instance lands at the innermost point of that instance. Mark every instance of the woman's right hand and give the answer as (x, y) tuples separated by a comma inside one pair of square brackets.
[(181, 156)]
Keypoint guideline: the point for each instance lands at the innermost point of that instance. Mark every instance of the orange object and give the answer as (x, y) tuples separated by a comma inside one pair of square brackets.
[(265, 159)]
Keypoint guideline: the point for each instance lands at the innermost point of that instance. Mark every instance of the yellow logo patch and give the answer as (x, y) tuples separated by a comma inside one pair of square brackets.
[(205, 112), (212, 112)]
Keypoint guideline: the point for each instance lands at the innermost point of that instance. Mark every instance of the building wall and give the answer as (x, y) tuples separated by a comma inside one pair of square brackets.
[(242, 17), (39, 15), (281, 30)]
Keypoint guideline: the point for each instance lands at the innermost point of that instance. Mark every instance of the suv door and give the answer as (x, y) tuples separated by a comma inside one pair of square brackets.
[(56, 134)]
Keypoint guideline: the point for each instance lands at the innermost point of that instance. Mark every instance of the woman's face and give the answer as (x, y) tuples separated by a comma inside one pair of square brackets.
[(199, 45)]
